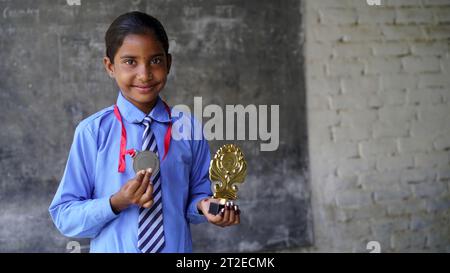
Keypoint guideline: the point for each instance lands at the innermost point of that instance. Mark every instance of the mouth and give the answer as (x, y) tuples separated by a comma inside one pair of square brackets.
[(144, 89)]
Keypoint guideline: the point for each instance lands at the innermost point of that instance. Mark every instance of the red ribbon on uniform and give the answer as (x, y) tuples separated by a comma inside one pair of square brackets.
[(132, 152)]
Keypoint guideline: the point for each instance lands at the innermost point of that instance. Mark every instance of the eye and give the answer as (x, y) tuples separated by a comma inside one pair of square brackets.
[(156, 60), (130, 62)]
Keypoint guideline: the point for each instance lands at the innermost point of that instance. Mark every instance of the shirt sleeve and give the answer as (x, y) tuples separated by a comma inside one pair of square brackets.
[(73, 210), (199, 184)]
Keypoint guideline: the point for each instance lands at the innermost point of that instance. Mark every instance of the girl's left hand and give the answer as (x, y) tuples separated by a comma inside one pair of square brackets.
[(228, 216)]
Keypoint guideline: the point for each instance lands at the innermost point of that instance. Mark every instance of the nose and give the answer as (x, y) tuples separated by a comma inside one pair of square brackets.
[(145, 73)]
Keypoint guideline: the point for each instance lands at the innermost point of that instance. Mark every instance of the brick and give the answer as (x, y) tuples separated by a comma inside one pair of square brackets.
[(403, 32), (326, 33), (346, 182), (435, 159), (383, 228), (434, 2), (390, 49), (392, 194), (426, 96), (351, 50), (318, 102), (395, 162), (345, 68), (435, 114), (421, 64), (388, 129), (320, 51), (388, 98), (377, 66), (402, 3), (358, 118), (417, 175), (438, 31), (397, 115), (438, 204), (355, 166), (407, 207), (360, 33), (404, 240), (398, 81), (414, 15), (333, 4), (324, 118), (321, 86), (380, 181), (340, 150), (378, 147), (372, 211), (358, 85), (414, 144), (442, 14), (434, 80), (315, 69), (429, 48), (438, 240), (442, 142), (350, 133), (377, 15), (445, 65), (353, 199), (430, 190), (443, 174), (318, 134), (427, 129), (337, 16), (348, 101)]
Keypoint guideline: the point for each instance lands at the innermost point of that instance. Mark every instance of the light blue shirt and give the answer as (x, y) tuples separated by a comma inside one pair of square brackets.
[(81, 207)]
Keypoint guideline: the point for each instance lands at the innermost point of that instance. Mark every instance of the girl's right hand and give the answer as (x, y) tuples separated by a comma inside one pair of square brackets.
[(137, 191)]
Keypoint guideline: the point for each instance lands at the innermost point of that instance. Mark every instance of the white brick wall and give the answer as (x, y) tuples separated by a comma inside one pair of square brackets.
[(378, 95)]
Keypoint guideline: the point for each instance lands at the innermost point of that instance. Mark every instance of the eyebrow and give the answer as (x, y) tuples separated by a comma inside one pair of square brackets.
[(134, 57)]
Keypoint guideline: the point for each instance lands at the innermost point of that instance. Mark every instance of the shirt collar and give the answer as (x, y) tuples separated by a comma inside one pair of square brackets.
[(132, 114)]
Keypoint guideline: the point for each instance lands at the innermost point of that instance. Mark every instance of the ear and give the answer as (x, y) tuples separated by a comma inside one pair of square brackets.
[(169, 62), (109, 66)]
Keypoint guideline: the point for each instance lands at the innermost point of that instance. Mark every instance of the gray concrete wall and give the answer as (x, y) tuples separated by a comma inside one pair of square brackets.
[(378, 96), (227, 52)]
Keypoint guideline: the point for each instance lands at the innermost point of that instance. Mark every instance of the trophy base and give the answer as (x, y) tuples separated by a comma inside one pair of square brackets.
[(215, 208)]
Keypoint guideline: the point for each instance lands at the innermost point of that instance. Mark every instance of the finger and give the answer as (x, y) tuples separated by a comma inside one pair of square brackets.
[(215, 219), (136, 182), (232, 214), (237, 220), (147, 196), (226, 216), (148, 204), (144, 184)]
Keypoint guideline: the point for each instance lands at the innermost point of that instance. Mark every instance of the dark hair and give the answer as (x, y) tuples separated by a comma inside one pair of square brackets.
[(134, 22)]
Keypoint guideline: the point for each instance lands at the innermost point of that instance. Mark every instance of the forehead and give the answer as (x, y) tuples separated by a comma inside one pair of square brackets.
[(140, 45)]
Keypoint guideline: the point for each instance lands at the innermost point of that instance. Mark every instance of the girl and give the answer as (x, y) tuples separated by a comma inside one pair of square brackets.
[(100, 195)]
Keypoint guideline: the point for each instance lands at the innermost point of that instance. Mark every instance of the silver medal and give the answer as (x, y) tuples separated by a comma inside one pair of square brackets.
[(144, 160)]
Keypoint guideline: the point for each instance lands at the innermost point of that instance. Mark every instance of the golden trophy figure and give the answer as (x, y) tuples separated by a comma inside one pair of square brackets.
[(227, 168)]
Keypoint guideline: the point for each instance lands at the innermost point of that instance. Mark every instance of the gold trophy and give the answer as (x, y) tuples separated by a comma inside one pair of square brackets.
[(227, 168)]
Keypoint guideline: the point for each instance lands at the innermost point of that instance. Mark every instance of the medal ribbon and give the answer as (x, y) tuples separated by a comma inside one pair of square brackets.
[(132, 152)]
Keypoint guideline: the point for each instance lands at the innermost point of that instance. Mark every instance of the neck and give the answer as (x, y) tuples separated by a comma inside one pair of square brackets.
[(145, 107)]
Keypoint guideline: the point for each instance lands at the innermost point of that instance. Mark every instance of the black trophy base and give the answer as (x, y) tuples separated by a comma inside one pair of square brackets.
[(214, 208)]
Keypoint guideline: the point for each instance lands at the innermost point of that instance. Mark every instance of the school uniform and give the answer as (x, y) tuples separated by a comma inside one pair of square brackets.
[(81, 206)]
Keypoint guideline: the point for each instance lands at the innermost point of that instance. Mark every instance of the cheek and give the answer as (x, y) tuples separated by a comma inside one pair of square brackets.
[(124, 77), (160, 74)]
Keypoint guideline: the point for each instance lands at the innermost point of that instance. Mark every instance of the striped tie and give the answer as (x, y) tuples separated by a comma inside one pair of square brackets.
[(150, 227)]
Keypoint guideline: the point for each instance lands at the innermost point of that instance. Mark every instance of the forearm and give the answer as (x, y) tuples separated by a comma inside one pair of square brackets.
[(82, 219)]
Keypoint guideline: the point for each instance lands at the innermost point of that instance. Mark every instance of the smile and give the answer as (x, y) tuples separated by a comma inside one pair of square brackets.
[(144, 88)]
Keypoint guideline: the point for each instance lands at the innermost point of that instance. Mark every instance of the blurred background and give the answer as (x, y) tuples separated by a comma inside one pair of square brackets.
[(364, 94)]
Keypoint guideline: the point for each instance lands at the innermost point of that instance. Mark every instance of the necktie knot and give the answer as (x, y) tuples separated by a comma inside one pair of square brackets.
[(147, 121)]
